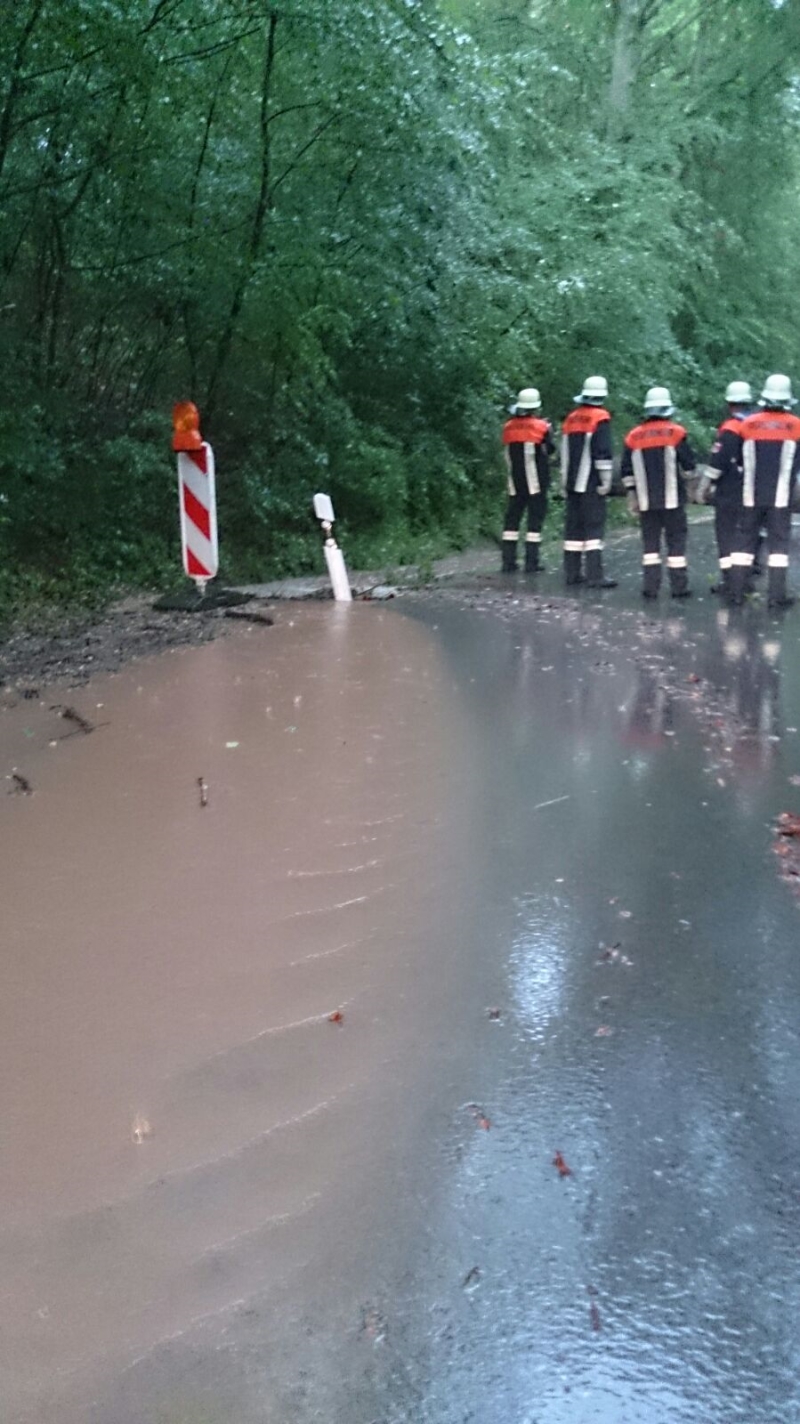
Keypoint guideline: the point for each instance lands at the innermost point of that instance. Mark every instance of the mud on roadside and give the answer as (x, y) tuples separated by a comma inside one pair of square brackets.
[(103, 644)]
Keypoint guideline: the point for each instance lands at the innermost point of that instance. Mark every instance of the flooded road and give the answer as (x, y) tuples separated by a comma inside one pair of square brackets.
[(544, 1169)]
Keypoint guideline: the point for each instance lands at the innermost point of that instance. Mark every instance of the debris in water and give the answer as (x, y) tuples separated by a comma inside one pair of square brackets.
[(202, 787), (231, 745), (246, 617), (30, 694), (603, 1031), (493, 1014), (480, 1116), (788, 824), (21, 787), (594, 1313), (472, 1278), (560, 1164), (70, 715), (373, 1324), (337, 1017), (141, 1128)]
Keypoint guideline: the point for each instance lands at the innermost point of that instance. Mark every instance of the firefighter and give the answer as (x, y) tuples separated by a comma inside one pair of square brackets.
[(724, 475), (655, 457), (528, 444), (768, 451), (586, 471)]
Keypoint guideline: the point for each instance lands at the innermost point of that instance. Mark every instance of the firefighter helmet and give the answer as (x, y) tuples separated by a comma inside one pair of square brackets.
[(529, 399), (595, 391), (739, 393), (658, 401), (777, 392)]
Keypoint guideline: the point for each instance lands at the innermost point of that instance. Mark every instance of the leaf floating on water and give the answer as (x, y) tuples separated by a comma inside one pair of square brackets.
[(480, 1116), (337, 1017), (493, 1014), (561, 1165)]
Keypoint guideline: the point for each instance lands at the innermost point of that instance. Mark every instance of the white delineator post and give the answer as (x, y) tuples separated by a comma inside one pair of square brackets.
[(334, 557), (197, 496)]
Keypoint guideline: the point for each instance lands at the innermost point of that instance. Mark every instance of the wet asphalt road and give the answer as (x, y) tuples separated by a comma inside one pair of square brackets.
[(574, 1194)]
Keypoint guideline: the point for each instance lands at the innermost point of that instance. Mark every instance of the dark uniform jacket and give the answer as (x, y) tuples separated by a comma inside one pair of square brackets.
[(586, 453), (654, 453), (723, 462), (528, 443), (768, 451)]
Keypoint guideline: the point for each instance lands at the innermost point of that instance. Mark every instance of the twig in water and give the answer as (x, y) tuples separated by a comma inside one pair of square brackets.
[(555, 802), (70, 715)]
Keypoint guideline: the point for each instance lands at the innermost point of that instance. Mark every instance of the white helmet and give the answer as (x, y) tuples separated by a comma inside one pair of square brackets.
[(777, 392), (595, 391), (529, 399), (739, 393), (658, 401)]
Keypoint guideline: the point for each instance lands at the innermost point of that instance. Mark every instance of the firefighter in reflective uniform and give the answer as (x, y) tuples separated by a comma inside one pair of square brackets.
[(586, 472), (528, 445), (768, 451), (655, 461), (724, 475)]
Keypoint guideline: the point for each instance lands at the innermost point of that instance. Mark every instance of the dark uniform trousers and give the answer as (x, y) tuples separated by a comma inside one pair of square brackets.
[(535, 505), (672, 524), (727, 516), (778, 524), (585, 522)]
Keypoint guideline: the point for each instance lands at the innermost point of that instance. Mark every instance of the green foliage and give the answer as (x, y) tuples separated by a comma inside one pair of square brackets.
[(349, 231)]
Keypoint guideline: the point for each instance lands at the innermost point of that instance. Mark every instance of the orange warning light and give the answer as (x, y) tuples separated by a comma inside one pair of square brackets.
[(186, 426)]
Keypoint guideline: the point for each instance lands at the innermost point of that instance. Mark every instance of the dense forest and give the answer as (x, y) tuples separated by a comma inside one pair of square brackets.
[(350, 230)]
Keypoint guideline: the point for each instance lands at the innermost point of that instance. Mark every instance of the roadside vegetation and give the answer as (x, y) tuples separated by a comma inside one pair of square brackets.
[(350, 230)]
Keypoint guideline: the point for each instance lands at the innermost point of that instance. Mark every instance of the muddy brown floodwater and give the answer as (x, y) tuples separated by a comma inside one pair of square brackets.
[(184, 1127), (443, 1068)]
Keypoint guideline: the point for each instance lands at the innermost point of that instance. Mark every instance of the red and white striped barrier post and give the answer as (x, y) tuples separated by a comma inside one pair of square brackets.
[(197, 496)]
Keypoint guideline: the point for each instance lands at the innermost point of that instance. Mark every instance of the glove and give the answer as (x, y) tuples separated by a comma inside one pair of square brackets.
[(605, 477), (632, 502)]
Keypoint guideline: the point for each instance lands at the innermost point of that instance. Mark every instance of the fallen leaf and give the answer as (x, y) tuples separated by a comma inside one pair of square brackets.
[(337, 1017), (563, 1169)]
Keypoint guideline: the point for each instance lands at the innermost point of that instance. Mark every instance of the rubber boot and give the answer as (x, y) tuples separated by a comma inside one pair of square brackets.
[(777, 597), (572, 568), (509, 548), (679, 583), (737, 585), (532, 563), (651, 580), (594, 571), (722, 586)]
